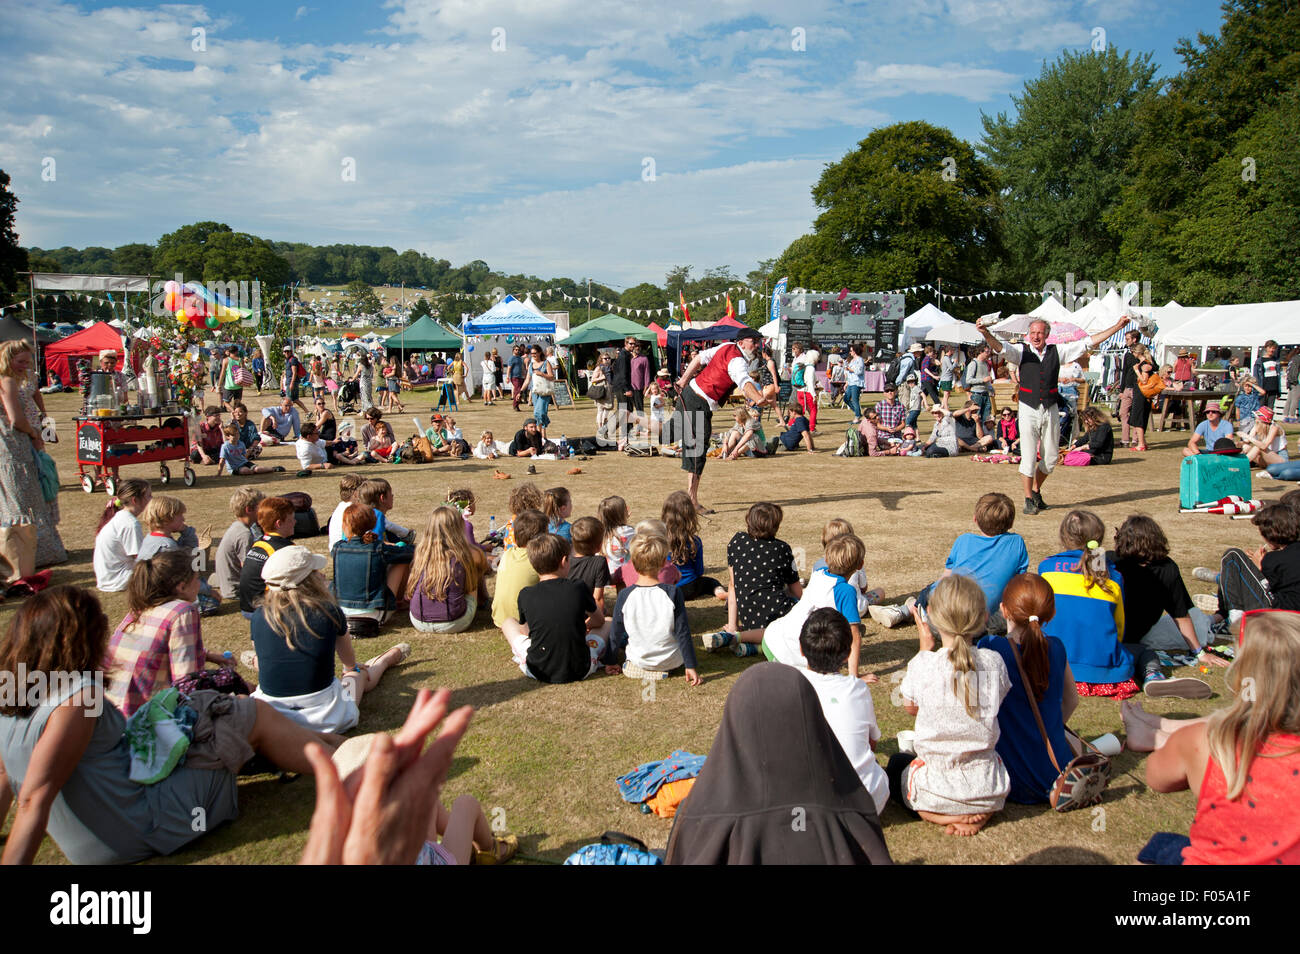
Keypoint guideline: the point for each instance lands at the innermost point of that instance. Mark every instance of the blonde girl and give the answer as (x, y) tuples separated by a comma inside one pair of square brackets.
[(1089, 617), (1241, 763), (119, 535), (955, 776), (297, 630), (445, 575), (612, 512), (682, 522), (668, 573)]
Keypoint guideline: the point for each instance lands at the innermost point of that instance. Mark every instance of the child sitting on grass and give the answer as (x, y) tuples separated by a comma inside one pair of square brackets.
[(348, 485), (118, 539), (649, 618), (796, 430), (163, 517), (515, 571), (558, 506), (377, 493), (160, 640), (668, 573), (612, 512), (742, 439), (990, 557), (463, 499), (275, 516), (763, 582), (836, 527), (825, 641), (446, 583), (549, 640), (682, 521), (369, 575), (236, 541), (234, 456), (955, 777), (826, 588), (588, 565), (526, 496)]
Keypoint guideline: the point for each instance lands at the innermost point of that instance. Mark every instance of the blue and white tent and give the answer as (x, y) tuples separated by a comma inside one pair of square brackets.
[(509, 316)]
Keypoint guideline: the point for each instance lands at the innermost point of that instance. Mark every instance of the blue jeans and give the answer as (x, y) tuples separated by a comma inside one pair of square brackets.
[(1069, 407), (852, 397), (912, 418), (984, 401), (539, 410), (1286, 470)]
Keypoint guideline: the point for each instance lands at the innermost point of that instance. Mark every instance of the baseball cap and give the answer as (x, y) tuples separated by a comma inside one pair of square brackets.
[(286, 568), (891, 386)]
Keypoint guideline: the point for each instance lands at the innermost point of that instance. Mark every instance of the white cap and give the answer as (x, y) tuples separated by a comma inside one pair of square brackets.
[(286, 568)]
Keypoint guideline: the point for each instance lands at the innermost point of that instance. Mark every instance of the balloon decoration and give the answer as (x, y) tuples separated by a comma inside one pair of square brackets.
[(194, 305)]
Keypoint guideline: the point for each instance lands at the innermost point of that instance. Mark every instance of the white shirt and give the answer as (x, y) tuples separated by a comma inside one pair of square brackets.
[(310, 452), (1070, 351), (336, 522), (737, 369), (116, 547), (846, 704)]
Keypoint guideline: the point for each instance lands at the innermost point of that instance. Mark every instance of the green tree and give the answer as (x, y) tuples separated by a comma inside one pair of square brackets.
[(13, 258), (184, 250), (1191, 159), (360, 299), (420, 309), (133, 259), (911, 203), (645, 295), (1062, 161)]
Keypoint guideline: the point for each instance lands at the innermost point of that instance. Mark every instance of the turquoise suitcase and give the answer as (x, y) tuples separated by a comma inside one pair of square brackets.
[(1207, 478)]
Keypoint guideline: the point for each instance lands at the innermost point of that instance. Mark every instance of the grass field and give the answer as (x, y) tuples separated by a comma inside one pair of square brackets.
[(547, 756)]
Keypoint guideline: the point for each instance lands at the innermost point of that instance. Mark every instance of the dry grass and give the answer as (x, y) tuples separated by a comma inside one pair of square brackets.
[(548, 755)]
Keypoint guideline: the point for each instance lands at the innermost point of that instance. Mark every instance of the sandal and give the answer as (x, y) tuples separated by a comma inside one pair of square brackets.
[(504, 848)]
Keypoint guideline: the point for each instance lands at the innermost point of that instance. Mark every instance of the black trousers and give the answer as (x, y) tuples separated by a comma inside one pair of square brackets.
[(700, 586)]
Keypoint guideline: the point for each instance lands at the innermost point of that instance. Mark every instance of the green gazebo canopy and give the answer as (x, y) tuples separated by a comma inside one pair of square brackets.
[(425, 335), (607, 328)]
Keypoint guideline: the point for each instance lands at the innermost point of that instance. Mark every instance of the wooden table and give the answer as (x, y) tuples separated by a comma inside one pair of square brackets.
[(1184, 399)]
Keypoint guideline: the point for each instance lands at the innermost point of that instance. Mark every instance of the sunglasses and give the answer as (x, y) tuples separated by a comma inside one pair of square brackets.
[(1245, 617)]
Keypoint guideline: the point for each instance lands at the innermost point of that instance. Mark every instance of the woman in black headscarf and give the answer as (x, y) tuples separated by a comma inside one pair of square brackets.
[(777, 787)]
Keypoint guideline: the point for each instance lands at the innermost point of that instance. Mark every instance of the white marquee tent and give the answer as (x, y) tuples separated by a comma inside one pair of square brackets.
[(1239, 326), (919, 323)]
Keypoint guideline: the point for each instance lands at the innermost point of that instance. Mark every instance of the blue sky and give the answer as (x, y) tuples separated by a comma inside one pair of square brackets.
[(553, 137)]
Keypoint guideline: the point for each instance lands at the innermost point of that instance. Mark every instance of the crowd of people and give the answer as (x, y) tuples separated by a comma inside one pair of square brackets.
[(1004, 653)]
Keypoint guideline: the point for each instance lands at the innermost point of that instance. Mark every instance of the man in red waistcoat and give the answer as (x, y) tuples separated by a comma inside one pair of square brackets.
[(1039, 393), (704, 386)]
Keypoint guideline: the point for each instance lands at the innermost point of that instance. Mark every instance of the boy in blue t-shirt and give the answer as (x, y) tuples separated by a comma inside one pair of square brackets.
[(991, 558), (826, 589)]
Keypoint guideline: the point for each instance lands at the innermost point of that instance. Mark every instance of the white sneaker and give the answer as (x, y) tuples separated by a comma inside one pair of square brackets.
[(889, 617), (1265, 475), (1205, 574)]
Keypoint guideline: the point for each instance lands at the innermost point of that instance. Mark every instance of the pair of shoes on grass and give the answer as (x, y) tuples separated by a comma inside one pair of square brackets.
[(1158, 685), (722, 639), (892, 616)]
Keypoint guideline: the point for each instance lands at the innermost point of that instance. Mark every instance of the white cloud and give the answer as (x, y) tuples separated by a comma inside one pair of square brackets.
[(954, 79)]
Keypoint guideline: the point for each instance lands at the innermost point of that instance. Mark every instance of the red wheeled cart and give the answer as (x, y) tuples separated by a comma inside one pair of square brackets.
[(106, 443)]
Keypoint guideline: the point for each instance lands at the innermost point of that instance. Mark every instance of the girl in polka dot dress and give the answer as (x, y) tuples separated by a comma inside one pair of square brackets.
[(764, 582)]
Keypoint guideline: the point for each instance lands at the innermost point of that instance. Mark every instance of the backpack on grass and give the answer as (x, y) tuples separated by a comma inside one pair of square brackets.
[(852, 442)]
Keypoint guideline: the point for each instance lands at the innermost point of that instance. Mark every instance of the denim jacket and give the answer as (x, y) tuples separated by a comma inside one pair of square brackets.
[(360, 575)]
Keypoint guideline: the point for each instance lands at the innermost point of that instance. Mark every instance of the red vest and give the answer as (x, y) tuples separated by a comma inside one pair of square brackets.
[(714, 380)]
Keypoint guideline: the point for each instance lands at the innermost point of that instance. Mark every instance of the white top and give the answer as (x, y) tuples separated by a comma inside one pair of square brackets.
[(809, 358), (782, 635), (310, 452), (489, 369), (847, 706), (1067, 352), (649, 617), (959, 771), (481, 449), (336, 522), (945, 434), (116, 547)]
